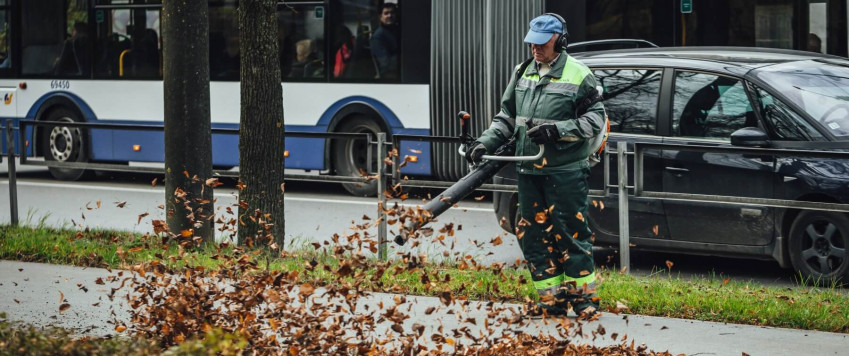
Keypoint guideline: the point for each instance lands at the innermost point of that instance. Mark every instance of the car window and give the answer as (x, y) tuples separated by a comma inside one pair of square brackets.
[(710, 106), (630, 98), (784, 123)]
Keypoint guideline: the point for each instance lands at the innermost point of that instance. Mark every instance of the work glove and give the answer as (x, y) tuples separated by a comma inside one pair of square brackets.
[(475, 152), (545, 133)]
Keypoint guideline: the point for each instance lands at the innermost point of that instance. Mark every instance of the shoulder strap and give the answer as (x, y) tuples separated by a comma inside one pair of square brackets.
[(522, 67)]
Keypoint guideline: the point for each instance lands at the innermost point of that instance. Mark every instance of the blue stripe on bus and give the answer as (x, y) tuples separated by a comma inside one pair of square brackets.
[(381, 109), (88, 114)]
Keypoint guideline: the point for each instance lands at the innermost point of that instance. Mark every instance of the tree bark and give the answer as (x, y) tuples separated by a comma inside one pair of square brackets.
[(261, 136), (188, 137)]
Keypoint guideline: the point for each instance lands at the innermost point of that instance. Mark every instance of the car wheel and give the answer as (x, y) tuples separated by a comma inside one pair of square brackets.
[(64, 144), (350, 156), (818, 246)]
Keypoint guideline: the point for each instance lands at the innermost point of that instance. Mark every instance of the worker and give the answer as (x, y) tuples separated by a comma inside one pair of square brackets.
[(539, 107)]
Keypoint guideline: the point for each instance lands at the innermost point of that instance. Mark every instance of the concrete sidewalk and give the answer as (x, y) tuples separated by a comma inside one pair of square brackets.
[(30, 292)]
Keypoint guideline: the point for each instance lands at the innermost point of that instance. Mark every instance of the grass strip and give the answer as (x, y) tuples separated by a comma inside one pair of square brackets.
[(662, 294)]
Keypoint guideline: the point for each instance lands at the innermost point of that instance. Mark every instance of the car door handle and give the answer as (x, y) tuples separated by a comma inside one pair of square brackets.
[(678, 170)]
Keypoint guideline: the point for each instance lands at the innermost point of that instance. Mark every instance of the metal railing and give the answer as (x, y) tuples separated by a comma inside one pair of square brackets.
[(381, 143)]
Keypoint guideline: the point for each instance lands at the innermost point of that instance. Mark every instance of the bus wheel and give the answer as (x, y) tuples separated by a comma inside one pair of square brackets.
[(350, 156), (818, 246), (64, 144)]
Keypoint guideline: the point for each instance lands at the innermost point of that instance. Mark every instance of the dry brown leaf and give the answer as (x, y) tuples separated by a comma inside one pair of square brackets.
[(540, 217), (497, 241)]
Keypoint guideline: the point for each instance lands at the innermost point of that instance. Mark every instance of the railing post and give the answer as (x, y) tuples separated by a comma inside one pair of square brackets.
[(381, 198), (624, 238), (606, 169), (13, 179), (638, 169)]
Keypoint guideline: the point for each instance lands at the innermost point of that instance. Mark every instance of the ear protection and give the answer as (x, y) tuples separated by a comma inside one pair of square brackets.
[(562, 40)]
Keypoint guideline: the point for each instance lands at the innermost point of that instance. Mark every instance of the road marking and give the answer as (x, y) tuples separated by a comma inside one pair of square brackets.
[(229, 194)]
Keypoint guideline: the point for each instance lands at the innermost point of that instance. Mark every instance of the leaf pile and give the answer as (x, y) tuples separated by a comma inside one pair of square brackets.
[(280, 313)]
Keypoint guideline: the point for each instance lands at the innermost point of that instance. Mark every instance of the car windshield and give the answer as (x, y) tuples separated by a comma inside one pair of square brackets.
[(820, 88)]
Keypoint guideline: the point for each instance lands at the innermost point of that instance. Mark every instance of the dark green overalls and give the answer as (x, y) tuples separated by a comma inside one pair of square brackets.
[(553, 233)]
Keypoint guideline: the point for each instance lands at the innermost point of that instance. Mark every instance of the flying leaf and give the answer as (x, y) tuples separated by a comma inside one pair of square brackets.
[(64, 307), (601, 205), (654, 230), (120, 328), (142, 216), (497, 241), (540, 217), (153, 182), (579, 216), (120, 204), (480, 197), (669, 264), (61, 296)]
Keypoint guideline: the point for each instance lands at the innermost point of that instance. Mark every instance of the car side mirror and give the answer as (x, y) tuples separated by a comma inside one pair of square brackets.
[(750, 137)]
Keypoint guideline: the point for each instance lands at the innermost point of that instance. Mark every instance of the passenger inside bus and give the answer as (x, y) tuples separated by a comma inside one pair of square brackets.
[(145, 55), (385, 43), (5, 56), (75, 58), (344, 50), (307, 64)]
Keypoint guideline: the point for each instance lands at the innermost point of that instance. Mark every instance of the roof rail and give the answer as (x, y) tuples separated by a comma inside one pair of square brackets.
[(610, 44)]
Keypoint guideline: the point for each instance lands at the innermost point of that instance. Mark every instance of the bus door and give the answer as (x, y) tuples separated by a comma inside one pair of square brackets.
[(8, 110)]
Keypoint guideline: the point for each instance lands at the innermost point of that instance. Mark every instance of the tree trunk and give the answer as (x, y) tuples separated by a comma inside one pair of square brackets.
[(188, 137), (261, 136)]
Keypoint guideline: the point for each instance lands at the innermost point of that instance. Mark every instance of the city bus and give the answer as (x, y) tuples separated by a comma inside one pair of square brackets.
[(345, 68), (100, 61)]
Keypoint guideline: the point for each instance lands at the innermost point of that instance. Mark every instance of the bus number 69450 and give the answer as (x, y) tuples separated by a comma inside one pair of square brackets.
[(60, 84)]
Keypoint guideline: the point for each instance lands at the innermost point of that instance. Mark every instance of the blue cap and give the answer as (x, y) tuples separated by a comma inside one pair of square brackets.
[(542, 27)]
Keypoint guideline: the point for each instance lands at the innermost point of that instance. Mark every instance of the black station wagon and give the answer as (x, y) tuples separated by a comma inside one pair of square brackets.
[(748, 97)]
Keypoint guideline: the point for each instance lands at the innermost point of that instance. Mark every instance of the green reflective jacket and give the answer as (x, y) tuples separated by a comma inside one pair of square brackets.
[(551, 98)]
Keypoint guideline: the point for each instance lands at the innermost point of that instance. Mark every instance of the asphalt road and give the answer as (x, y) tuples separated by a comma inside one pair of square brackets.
[(316, 211)]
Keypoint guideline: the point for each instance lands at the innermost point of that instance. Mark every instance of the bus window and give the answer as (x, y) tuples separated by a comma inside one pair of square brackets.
[(366, 42), (129, 43), (5, 35), (223, 40), (301, 37), (55, 38)]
